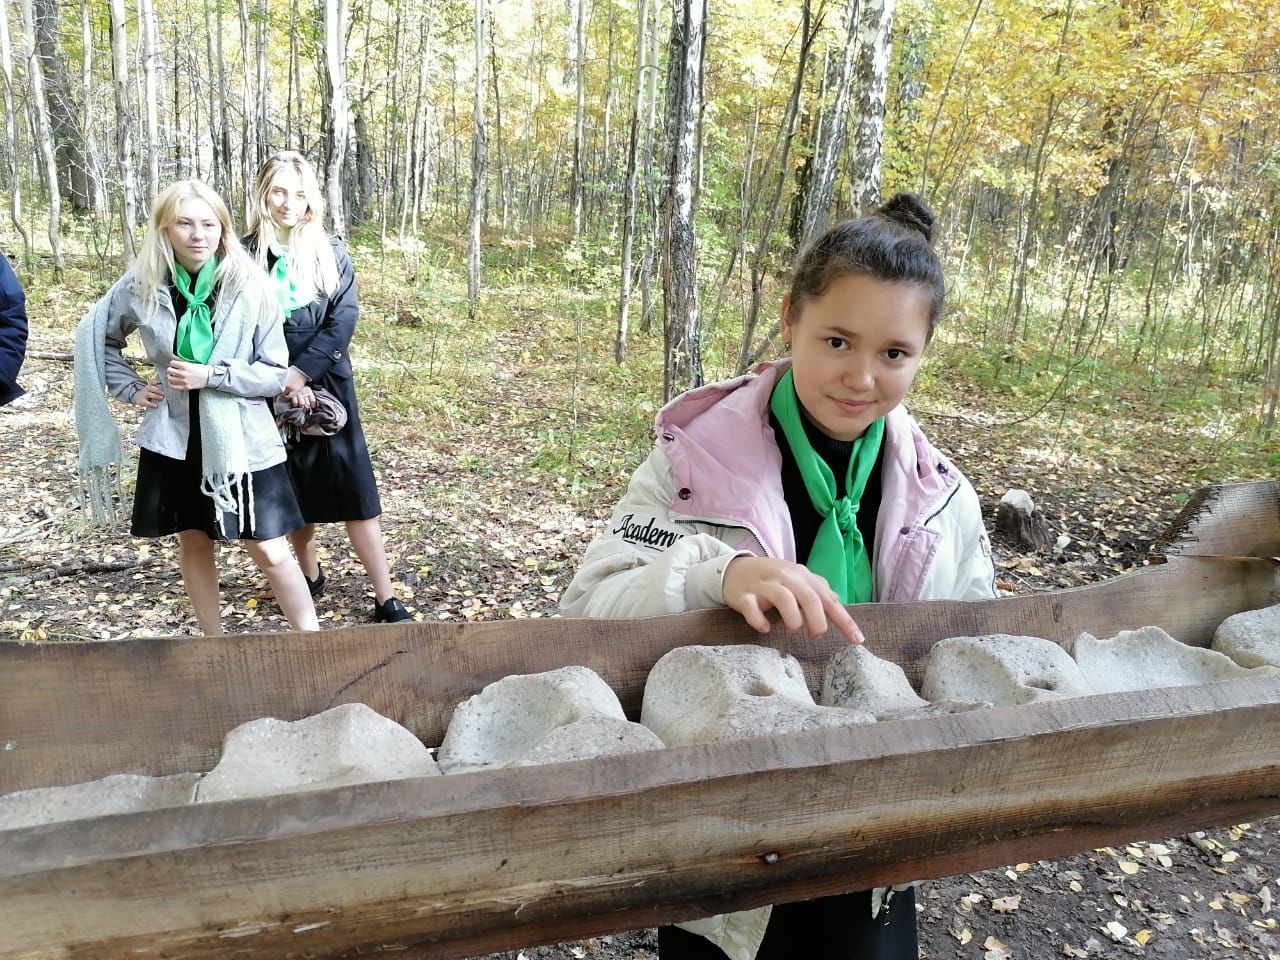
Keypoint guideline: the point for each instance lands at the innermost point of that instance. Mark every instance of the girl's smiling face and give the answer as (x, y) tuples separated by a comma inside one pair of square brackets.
[(287, 199), (855, 350)]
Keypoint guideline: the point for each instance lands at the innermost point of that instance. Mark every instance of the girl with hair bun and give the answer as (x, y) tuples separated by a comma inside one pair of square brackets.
[(212, 462), (804, 487), (316, 287)]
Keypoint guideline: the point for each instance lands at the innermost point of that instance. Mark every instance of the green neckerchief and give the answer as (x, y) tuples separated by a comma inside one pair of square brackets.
[(194, 341), (838, 553), (286, 289)]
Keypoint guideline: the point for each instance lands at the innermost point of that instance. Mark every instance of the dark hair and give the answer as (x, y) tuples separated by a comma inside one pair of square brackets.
[(894, 243)]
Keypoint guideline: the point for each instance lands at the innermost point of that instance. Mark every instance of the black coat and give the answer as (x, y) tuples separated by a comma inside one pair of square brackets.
[(333, 476), (13, 332)]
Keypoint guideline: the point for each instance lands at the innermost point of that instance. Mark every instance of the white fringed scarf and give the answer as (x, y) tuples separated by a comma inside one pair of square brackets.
[(224, 454)]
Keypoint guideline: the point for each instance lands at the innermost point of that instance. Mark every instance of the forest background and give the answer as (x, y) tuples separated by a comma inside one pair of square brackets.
[(563, 212)]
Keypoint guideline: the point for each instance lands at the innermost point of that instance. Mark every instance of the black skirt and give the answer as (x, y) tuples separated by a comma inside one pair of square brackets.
[(167, 498)]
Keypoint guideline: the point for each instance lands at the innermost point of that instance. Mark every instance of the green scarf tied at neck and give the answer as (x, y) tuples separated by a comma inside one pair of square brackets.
[(195, 327), (286, 288), (838, 553)]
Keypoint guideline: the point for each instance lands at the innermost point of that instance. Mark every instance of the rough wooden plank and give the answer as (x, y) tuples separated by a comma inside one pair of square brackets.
[(74, 712), (486, 860), (1228, 520)]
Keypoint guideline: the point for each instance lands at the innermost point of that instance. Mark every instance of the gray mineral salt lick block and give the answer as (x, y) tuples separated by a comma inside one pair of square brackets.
[(118, 793), (1000, 669), (858, 679), (1148, 657), (563, 714), (350, 743), (1251, 638), (592, 736), (702, 694)]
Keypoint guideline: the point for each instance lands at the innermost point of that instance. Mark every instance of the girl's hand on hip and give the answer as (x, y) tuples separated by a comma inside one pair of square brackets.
[(149, 396), (803, 600), (187, 376)]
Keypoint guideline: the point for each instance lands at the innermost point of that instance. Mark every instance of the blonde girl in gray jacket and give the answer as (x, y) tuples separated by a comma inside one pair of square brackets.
[(211, 465)]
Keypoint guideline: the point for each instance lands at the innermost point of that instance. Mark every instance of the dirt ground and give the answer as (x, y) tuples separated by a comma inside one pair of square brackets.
[(471, 538)]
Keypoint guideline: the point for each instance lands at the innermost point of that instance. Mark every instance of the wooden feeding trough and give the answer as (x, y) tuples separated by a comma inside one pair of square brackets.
[(463, 864)]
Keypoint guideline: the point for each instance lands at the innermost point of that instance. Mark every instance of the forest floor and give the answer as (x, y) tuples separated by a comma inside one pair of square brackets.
[(499, 449)]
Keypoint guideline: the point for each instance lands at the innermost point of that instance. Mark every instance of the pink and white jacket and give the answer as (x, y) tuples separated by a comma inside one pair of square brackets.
[(711, 490)]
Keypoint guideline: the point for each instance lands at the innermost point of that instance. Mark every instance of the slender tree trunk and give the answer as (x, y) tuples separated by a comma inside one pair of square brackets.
[(874, 38), (1028, 222), (501, 178), (223, 148), (629, 186), (682, 367), (93, 160), (261, 22), (421, 121), (830, 141), (579, 115), (479, 164), (147, 31), (248, 109), (750, 354), (69, 149), (336, 120), (649, 203), (43, 133), (178, 166), (12, 177), (124, 127), (942, 98)]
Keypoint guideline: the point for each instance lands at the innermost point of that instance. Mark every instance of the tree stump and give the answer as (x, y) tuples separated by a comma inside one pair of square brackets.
[(1018, 519)]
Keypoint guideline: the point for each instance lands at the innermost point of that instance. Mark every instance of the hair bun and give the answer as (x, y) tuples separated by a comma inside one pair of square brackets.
[(910, 211)]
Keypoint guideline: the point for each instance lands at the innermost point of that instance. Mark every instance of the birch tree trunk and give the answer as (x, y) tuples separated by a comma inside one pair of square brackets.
[(124, 128), (682, 366), (10, 169), (248, 110), (222, 136), (68, 142), (147, 29), (831, 136), (336, 118), (93, 165), (629, 186), (43, 133), (875, 36), (479, 163), (261, 22)]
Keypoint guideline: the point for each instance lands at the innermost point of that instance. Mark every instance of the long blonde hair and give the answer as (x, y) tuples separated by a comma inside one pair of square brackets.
[(236, 271), (312, 265)]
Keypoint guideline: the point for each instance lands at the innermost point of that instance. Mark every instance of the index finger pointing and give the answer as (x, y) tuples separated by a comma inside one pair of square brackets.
[(839, 618)]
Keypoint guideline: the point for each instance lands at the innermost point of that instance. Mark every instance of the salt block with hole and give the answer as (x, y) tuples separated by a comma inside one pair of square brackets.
[(1251, 638), (351, 743), (564, 714), (1001, 669), (859, 680), (704, 694), (119, 793), (1147, 658)]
